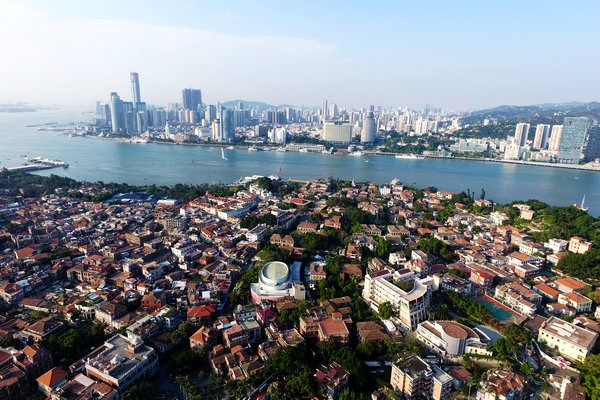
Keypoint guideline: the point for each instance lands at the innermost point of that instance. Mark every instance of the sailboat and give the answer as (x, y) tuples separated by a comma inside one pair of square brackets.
[(223, 154), (582, 205)]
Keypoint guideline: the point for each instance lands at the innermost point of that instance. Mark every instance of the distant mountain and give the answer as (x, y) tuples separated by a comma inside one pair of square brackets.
[(550, 113), (253, 104)]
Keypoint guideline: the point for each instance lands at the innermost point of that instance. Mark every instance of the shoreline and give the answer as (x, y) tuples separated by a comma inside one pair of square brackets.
[(376, 153)]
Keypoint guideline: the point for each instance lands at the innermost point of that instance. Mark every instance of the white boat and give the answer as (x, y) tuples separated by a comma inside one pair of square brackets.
[(582, 205), (356, 154), (410, 156), (230, 148), (223, 154), (252, 148), (303, 151), (282, 149)]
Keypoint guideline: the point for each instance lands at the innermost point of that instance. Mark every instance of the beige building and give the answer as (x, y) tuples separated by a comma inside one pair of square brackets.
[(572, 341), (576, 301), (414, 378), (579, 245)]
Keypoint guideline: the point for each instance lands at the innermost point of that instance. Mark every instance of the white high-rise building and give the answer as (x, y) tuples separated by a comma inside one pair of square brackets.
[(542, 132), (555, 136), (337, 132), (521, 133)]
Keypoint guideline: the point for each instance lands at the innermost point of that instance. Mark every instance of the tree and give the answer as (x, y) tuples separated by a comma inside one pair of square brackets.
[(482, 195), (385, 310), (142, 390), (383, 248)]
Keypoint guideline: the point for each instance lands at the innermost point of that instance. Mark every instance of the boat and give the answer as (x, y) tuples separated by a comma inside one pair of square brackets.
[(282, 149), (582, 205), (303, 150), (230, 148), (410, 156), (356, 154), (252, 148), (327, 151), (223, 154)]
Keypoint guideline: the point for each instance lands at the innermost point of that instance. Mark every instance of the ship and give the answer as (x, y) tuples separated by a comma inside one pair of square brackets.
[(303, 150), (253, 148), (356, 154), (410, 156)]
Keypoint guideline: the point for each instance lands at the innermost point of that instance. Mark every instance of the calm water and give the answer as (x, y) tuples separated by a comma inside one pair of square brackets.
[(109, 161)]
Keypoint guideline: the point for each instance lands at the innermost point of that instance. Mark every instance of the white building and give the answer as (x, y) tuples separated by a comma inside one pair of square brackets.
[(572, 341), (122, 363), (410, 307), (337, 132), (449, 338)]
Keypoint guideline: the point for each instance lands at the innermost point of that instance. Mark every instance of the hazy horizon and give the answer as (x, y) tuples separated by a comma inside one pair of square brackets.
[(457, 56)]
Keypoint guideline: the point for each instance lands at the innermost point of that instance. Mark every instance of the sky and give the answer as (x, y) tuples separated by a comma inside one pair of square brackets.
[(457, 55)]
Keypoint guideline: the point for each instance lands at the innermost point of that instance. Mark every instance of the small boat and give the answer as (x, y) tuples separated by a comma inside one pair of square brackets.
[(281, 149), (582, 206), (223, 154), (303, 151), (252, 148), (410, 156), (356, 154), (230, 148)]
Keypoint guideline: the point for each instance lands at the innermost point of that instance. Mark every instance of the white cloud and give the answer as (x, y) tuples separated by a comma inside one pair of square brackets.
[(76, 61)]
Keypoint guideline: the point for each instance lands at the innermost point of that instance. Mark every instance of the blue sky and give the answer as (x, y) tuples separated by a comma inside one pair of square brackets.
[(457, 55)]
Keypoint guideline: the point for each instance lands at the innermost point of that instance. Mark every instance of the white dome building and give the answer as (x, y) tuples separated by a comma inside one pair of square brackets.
[(276, 281)]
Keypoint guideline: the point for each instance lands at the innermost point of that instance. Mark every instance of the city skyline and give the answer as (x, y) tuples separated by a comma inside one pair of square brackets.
[(458, 57)]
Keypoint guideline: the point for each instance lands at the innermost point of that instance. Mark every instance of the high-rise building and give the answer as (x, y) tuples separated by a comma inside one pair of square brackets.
[(592, 149), (369, 128), (542, 132), (521, 133), (324, 112), (572, 140), (337, 132), (135, 87), (210, 113), (192, 99), (555, 137), (116, 113)]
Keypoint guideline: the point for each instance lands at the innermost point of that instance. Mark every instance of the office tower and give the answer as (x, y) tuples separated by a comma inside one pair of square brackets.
[(226, 128), (159, 117), (337, 132), (192, 99), (129, 117), (369, 128), (572, 139), (521, 133), (542, 132), (555, 136), (135, 87), (216, 130), (592, 149), (324, 112), (116, 113), (210, 114)]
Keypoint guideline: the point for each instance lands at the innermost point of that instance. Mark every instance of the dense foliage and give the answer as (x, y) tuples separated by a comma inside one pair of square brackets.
[(74, 343)]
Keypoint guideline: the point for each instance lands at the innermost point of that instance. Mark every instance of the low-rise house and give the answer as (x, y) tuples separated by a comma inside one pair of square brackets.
[(501, 385), (450, 338), (51, 380), (579, 245), (568, 284), (332, 379), (578, 302)]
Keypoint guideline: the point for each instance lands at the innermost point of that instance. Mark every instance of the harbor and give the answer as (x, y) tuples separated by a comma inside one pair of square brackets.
[(38, 164)]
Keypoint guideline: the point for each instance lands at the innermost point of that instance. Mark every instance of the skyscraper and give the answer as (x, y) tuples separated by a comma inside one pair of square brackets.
[(324, 111), (555, 137), (116, 113), (337, 132), (542, 132), (521, 133), (592, 149), (191, 98), (572, 140), (369, 128), (135, 88)]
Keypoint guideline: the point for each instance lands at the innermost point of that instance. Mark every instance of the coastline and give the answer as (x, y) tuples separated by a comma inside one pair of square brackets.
[(378, 153)]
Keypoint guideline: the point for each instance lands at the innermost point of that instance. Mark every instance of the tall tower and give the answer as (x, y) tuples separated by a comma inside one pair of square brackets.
[(542, 132), (572, 139), (324, 112), (116, 113), (592, 149), (135, 88), (369, 128), (521, 133), (191, 99)]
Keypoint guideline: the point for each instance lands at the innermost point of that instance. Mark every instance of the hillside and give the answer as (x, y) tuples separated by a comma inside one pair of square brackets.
[(540, 113)]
